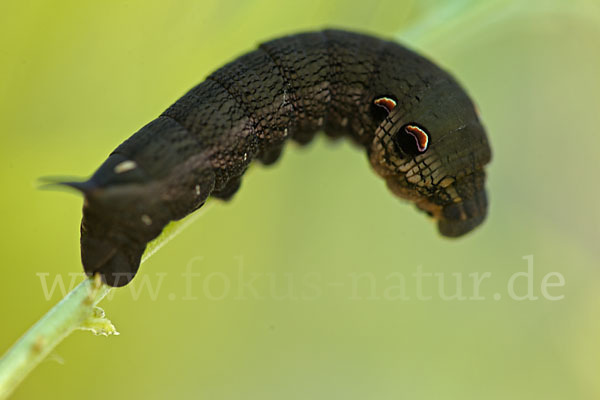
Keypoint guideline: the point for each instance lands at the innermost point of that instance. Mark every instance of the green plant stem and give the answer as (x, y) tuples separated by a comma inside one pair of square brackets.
[(69, 314), (77, 310)]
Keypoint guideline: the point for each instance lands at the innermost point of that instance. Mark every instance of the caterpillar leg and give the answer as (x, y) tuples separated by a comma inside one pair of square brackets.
[(227, 192), (304, 137), (271, 156)]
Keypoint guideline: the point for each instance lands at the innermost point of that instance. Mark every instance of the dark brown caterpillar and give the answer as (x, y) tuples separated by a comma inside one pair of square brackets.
[(417, 125)]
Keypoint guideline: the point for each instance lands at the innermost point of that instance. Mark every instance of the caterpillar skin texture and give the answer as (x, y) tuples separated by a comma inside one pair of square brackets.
[(419, 128)]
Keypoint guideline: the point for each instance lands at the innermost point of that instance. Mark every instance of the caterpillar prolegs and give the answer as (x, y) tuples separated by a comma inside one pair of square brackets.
[(419, 128)]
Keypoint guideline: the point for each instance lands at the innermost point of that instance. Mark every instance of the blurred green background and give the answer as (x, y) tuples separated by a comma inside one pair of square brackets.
[(77, 78)]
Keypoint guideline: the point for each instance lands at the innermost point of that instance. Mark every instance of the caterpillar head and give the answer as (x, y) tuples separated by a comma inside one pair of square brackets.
[(432, 150)]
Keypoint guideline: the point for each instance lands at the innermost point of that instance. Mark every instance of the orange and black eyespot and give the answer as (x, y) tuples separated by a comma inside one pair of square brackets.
[(382, 106), (412, 139), (385, 102)]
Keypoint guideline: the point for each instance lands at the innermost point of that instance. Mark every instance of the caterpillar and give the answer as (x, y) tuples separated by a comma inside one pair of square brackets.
[(420, 130)]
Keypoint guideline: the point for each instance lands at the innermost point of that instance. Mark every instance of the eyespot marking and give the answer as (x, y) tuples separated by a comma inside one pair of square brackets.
[(146, 220), (385, 103), (411, 139), (125, 166), (421, 137)]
